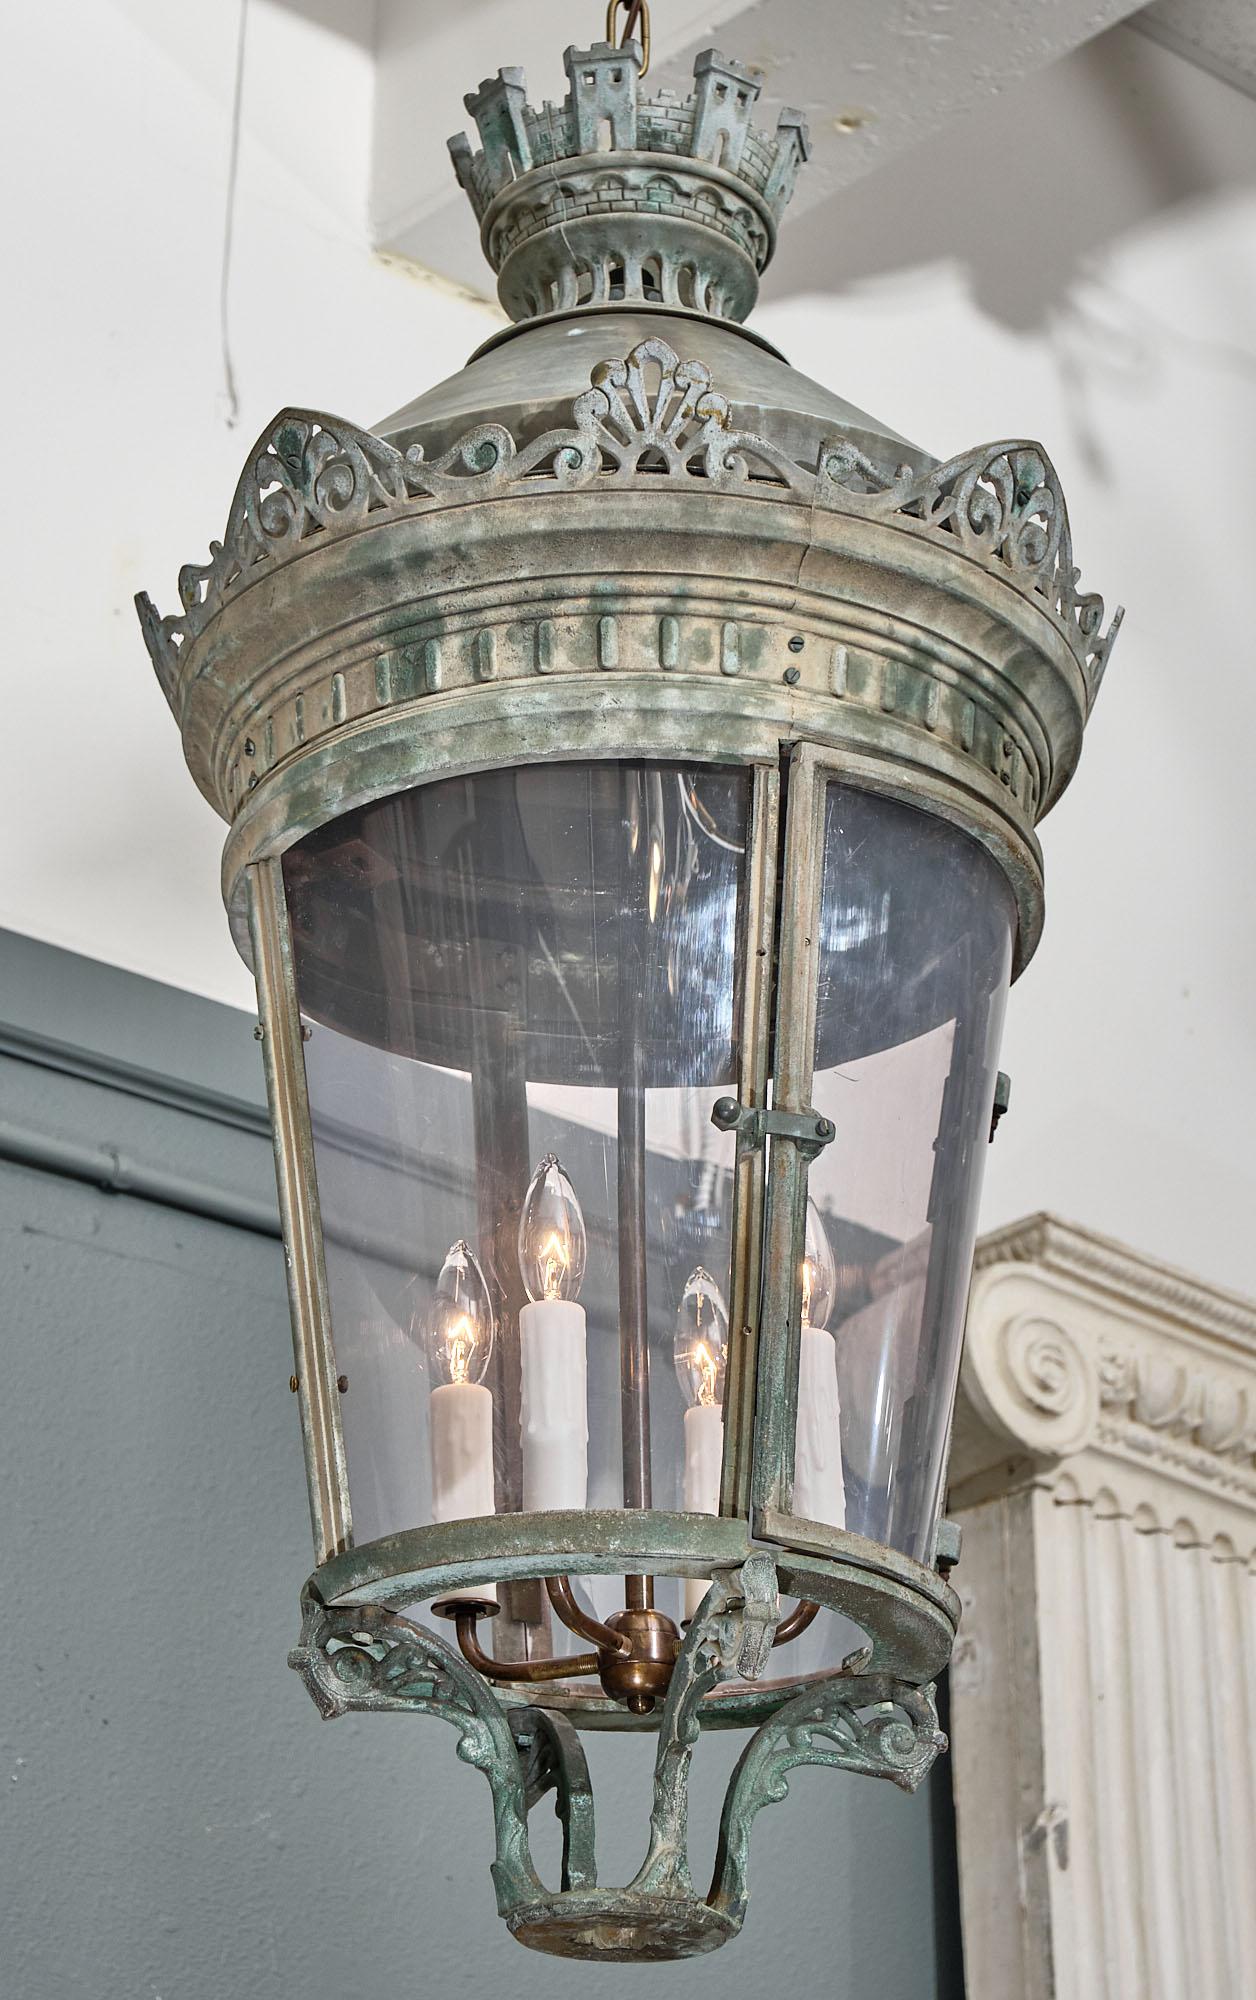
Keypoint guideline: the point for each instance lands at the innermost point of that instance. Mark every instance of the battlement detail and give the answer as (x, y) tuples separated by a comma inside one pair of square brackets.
[(684, 196)]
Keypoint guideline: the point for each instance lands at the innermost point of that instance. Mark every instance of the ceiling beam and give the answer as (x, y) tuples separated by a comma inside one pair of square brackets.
[(874, 77)]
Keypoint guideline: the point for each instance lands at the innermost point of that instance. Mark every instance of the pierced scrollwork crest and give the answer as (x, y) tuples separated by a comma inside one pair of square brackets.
[(310, 475), (1004, 506), (648, 415)]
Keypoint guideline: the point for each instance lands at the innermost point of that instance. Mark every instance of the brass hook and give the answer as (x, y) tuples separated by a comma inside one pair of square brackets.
[(637, 13)]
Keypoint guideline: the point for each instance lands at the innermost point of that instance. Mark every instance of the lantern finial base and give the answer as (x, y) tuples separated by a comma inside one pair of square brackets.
[(619, 1925)]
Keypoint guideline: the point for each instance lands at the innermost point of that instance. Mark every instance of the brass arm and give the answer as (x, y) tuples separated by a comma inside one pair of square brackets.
[(563, 1599), (465, 1619), (799, 1619)]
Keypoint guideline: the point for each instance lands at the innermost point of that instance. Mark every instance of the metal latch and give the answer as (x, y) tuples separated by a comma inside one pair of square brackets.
[(810, 1131), (949, 1542), (1002, 1098)]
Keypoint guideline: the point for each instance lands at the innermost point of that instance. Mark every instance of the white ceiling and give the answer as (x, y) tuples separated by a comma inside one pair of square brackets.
[(874, 78), (1219, 35), (878, 79)]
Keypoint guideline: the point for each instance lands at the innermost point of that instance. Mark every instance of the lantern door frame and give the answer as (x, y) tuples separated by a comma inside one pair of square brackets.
[(906, 1609)]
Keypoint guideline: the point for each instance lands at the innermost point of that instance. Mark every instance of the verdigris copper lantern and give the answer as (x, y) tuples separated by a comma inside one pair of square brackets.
[(631, 754)]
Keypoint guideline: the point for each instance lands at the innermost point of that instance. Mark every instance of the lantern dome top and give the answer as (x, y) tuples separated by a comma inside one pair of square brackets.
[(629, 521), (614, 197), (527, 378)]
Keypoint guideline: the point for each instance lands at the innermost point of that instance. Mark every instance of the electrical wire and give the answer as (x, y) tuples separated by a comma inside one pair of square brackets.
[(233, 167)]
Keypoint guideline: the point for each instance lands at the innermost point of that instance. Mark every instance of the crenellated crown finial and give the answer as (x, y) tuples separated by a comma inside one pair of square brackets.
[(614, 197)]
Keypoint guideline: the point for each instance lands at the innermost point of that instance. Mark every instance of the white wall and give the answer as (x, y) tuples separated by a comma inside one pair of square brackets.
[(115, 137), (1077, 262)]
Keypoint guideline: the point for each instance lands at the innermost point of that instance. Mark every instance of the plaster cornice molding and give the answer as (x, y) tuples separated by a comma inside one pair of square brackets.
[(1138, 1381), (1136, 1278)]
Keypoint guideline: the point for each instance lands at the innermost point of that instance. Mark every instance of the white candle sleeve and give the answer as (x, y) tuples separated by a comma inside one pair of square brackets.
[(819, 1485), (460, 1419), (554, 1418), (704, 1461)]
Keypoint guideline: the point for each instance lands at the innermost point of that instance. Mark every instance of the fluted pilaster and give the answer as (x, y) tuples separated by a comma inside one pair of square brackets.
[(1104, 1682)]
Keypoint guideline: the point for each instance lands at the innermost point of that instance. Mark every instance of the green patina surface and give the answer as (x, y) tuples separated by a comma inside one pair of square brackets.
[(364, 1657)]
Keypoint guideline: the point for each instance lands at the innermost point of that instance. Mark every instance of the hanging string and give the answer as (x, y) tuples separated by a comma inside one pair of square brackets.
[(637, 16), (233, 165)]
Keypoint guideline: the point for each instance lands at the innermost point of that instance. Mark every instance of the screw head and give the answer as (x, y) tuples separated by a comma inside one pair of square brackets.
[(293, 1384), (825, 1128), (259, 1032), (342, 1383), (797, 643), (725, 1112), (791, 676)]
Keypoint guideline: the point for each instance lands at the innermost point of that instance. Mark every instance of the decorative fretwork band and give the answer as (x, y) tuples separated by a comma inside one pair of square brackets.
[(645, 418)]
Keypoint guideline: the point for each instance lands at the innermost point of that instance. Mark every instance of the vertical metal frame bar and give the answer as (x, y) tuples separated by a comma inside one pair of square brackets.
[(780, 1335), (282, 1053), (754, 1045)]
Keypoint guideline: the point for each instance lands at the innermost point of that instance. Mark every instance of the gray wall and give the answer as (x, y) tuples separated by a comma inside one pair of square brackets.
[(178, 1824)]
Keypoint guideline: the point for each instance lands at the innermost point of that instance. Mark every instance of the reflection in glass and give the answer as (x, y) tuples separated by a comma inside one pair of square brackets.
[(916, 935), (819, 1486), (819, 1272), (497, 969)]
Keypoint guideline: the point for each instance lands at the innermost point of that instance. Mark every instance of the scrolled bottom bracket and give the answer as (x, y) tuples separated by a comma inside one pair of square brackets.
[(620, 1927)]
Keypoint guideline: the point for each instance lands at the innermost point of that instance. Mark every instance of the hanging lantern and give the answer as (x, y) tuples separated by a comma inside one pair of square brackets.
[(631, 753)]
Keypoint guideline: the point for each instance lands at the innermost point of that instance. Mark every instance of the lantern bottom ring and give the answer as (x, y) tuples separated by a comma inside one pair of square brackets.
[(907, 1612)]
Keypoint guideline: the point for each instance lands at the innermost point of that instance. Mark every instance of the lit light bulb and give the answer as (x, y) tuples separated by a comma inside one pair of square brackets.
[(701, 1353), (701, 1345), (553, 1383), (819, 1477), (656, 852), (819, 1272), (551, 1235), (459, 1328)]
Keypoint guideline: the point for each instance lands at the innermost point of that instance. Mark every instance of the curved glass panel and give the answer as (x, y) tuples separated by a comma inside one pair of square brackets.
[(520, 990), (916, 931)]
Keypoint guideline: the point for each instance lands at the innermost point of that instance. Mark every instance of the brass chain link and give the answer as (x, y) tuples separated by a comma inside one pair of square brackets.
[(636, 15)]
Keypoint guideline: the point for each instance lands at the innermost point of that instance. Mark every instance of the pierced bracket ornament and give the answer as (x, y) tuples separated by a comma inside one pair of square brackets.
[(365, 1657), (552, 1757), (731, 1632), (649, 416), (865, 1723)]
